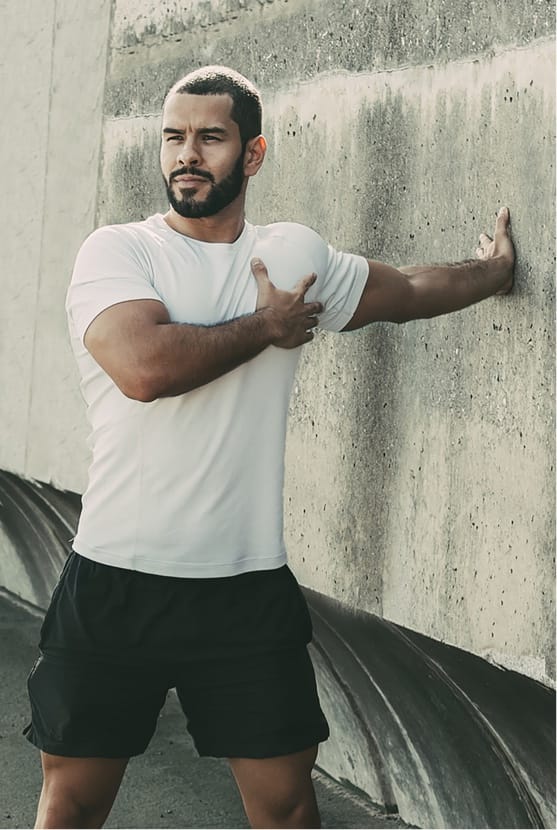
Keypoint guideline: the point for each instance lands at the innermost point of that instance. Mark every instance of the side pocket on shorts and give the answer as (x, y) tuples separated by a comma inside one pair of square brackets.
[(306, 625), (34, 668), (52, 604), (28, 729)]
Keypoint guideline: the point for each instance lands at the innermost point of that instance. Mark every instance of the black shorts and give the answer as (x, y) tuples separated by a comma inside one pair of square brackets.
[(114, 641)]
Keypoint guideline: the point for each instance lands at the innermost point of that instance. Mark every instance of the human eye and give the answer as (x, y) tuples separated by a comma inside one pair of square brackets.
[(174, 137)]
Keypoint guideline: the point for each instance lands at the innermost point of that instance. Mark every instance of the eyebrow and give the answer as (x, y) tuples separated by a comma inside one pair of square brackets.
[(202, 131)]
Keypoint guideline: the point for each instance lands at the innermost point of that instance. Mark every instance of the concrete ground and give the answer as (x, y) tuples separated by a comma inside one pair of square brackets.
[(167, 787)]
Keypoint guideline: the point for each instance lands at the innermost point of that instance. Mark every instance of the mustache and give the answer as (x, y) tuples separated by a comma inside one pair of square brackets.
[(191, 171)]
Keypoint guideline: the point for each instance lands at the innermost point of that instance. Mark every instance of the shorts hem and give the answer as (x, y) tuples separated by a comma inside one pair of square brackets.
[(83, 751), (268, 749)]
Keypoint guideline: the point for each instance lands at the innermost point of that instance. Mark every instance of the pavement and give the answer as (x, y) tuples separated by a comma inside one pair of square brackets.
[(169, 786)]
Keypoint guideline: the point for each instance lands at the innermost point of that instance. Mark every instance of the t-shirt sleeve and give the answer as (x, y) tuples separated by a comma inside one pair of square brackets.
[(339, 287), (108, 270), (341, 277)]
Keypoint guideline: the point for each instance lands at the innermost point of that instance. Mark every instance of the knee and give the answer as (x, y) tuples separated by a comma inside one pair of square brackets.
[(60, 808), (289, 811), (78, 792), (278, 792), (302, 814)]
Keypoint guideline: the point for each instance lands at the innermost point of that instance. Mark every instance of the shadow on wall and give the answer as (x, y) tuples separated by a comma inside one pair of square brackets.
[(427, 730)]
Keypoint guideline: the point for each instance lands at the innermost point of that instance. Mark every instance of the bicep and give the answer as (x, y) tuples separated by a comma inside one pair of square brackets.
[(387, 297), (120, 338)]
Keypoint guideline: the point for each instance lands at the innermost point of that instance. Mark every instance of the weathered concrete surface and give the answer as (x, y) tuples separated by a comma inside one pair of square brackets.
[(278, 43), (55, 57), (23, 154), (37, 524), (73, 150), (449, 739), (417, 455)]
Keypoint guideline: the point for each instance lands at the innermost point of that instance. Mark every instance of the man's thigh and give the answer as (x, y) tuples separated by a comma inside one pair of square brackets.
[(278, 792)]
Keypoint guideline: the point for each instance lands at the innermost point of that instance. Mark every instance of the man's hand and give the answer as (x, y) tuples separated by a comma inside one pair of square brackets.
[(500, 247), (415, 292), (291, 319)]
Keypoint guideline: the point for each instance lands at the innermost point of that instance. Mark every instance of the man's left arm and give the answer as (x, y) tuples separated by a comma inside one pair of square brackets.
[(415, 292)]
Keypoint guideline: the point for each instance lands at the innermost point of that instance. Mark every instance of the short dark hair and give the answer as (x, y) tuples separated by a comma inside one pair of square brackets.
[(221, 80)]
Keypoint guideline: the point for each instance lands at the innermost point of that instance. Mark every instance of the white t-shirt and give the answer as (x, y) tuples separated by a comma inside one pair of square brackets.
[(192, 485)]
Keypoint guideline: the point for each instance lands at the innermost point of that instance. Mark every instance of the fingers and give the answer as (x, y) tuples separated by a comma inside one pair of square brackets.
[(259, 270), (483, 249), (261, 274), (303, 284), (501, 238), (501, 227), (502, 222)]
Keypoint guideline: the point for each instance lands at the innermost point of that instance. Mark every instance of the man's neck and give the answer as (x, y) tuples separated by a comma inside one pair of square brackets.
[(225, 226)]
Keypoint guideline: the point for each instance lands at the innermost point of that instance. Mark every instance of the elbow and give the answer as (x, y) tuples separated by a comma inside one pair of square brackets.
[(142, 387), (401, 318), (143, 395), (403, 313), (147, 387)]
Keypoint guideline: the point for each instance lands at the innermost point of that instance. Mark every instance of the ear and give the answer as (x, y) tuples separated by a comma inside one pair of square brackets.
[(254, 155)]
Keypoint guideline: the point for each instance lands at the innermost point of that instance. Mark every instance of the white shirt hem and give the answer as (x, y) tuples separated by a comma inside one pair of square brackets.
[(183, 569)]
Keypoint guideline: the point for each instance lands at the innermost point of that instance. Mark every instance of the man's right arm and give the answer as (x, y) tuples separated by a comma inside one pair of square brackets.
[(149, 357)]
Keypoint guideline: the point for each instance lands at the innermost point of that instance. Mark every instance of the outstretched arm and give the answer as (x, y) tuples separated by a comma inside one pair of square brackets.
[(415, 292)]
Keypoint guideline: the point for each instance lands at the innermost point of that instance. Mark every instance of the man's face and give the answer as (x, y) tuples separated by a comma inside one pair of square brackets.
[(202, 161)]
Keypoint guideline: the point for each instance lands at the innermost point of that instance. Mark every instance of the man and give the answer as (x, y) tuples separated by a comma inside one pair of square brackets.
[(187, 330)]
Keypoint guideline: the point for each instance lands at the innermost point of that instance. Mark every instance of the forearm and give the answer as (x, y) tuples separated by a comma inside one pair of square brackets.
[(440, 289), (177, 358), (149, 357), (417, 291)]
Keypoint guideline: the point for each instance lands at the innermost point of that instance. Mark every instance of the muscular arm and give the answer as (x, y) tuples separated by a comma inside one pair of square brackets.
[(148, 357), (415, 292)]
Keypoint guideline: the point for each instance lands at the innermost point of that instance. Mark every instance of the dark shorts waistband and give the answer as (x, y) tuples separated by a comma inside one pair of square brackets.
[(99, 611)]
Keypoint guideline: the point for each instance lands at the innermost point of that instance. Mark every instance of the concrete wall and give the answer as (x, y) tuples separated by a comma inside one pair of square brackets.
[(54, 70), (420, 458)]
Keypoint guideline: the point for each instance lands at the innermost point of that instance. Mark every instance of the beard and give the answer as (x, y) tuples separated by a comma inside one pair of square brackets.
[(220, 194)]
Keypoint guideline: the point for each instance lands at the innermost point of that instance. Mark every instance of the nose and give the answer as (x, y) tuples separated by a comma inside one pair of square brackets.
[(189, 154)]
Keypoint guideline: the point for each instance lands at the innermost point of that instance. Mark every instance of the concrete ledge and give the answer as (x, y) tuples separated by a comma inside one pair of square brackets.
[(435, 734)]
